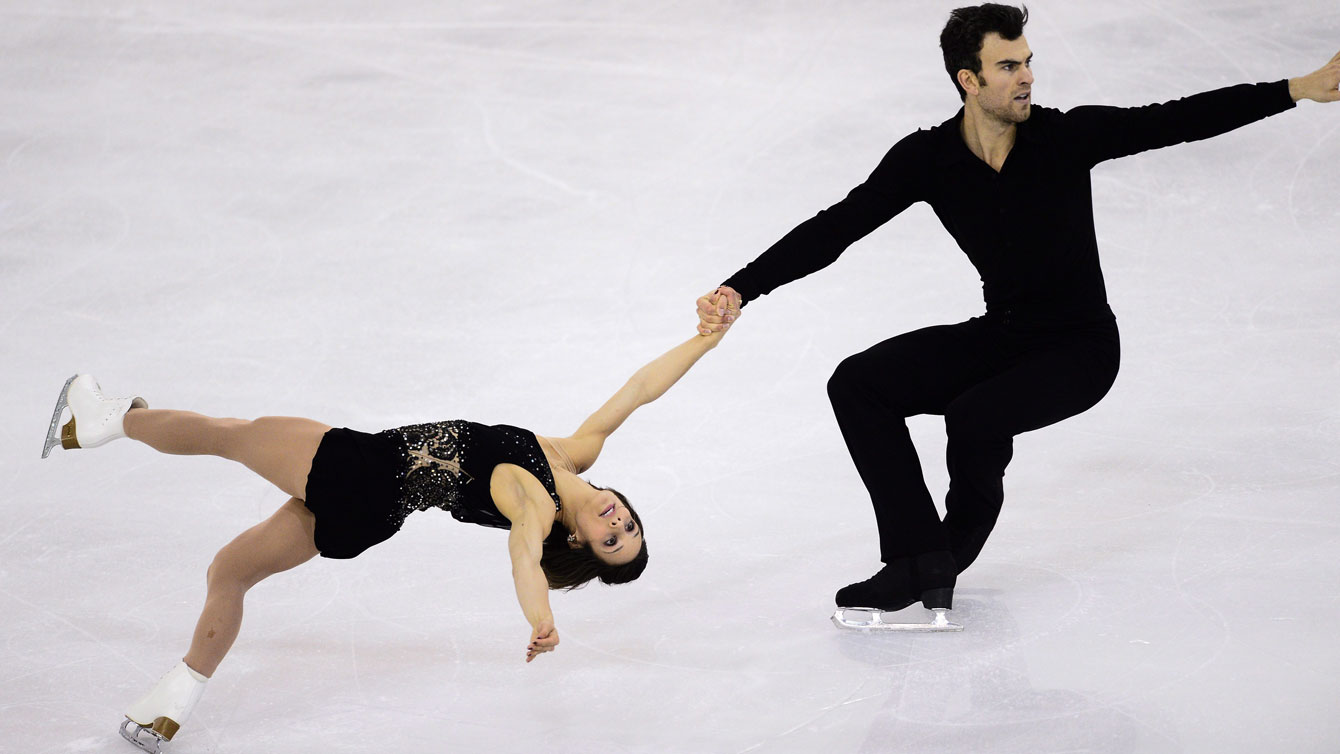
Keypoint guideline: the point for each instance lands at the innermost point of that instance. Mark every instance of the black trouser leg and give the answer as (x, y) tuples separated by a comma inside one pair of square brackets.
[(873, 392), (990, 383), (1042, 387)]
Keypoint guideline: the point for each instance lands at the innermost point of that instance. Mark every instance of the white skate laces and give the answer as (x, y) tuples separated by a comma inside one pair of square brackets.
[(161, 713), (94, 419)]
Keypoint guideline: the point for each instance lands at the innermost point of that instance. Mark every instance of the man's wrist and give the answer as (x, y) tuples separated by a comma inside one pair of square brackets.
[(1296, 89)]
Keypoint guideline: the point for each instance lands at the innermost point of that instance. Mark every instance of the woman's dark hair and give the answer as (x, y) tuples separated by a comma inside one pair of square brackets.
[(566, 567), (961, 40)]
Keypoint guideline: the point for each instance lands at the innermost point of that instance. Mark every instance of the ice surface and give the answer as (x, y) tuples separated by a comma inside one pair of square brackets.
[(378, 213)]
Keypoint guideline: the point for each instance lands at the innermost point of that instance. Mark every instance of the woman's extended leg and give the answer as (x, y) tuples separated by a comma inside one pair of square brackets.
[(279, 448), (278, 543)]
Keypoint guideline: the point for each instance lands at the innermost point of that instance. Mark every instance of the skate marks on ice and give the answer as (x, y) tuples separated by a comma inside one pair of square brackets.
[(1103, 648), (987, 689), (1005, 679)]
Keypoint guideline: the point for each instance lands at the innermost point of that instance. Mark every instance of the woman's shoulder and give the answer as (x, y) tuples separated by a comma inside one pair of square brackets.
[(516, 491), (557, 453)]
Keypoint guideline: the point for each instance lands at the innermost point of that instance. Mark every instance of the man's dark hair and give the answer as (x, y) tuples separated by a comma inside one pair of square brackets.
[(961, 40)]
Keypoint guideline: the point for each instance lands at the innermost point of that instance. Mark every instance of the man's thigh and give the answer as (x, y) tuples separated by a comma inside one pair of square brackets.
[(1038, 390), (923, 371)]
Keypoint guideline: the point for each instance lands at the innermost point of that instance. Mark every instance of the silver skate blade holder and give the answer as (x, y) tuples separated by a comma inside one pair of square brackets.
[(154, 744), (53, 431), (875, 621)]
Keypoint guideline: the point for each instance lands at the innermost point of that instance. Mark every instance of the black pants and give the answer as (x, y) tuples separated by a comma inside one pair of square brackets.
[(991, 378)]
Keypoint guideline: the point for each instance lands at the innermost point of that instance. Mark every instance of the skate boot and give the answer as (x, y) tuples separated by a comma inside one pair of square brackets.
[(157, 717), (928, 578), (936, 574), (891, 589), (94, 419)]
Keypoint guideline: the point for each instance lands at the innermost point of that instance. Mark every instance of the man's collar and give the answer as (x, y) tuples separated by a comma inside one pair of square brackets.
[(954, 150)]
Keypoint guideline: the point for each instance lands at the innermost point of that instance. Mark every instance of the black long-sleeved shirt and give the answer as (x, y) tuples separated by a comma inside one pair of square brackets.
[(1049, 271)]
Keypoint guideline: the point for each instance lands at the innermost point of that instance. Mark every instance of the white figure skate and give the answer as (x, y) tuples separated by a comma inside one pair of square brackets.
[(94, 419), (161, 713), (874, 621)]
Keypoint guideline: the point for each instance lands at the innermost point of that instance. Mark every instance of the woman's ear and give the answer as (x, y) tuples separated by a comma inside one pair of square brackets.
[(573, 544)]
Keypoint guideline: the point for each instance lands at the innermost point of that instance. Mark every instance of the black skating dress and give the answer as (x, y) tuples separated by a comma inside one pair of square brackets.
[(362, 486)]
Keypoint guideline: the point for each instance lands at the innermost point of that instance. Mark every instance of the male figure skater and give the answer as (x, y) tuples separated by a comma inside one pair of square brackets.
[(1010, 182)]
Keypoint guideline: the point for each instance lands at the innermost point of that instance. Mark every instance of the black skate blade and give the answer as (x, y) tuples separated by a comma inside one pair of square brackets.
[(154, 744), (53, 431), (875, 621)]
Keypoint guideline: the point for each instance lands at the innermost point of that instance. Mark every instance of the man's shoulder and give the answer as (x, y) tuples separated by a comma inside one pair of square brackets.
[(1043, 124), (1045, 115), (929, 137), (917, 143), (949, 125)]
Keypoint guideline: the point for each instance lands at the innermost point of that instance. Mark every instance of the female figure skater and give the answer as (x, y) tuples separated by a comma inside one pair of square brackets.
[(350, 490)]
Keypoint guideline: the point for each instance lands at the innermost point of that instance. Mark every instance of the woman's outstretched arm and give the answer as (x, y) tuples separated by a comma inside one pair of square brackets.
[(646, 385)]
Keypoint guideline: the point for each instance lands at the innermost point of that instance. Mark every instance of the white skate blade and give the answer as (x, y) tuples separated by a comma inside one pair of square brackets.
[(53, 431), (875, 621), (151, 743)]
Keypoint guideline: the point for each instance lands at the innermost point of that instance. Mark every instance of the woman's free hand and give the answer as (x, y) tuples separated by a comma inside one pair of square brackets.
[(543, 638), (718, 310)]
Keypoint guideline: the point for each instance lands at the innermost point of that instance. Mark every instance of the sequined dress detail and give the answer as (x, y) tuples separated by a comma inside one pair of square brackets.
[(448, 465), (363, 486)]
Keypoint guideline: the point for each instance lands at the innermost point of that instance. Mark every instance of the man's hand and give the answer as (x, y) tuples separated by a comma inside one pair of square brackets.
[(542, 639), (717, 310), (1322, 85)]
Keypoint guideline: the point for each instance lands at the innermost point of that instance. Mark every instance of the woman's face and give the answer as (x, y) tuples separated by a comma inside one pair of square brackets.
[(608, 527)]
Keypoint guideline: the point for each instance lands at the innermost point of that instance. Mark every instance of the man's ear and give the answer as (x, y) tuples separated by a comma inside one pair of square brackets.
[(969, 81)]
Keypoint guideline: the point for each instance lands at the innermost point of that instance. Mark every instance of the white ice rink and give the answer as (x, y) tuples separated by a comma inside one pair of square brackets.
[(380, 213)]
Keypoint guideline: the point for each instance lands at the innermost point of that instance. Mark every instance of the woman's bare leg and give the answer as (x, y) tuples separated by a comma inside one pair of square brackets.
[(279, 448), (278, 543)]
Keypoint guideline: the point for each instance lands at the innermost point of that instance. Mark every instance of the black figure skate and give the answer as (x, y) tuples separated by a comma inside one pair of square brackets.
[(929, 578)]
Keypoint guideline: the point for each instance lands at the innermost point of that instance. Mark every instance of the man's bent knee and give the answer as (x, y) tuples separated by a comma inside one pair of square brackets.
[(848, 377), (858, 385)]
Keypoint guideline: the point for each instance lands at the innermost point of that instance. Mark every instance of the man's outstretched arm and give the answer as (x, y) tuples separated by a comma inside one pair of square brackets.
[(816, 243), (1097, 133)]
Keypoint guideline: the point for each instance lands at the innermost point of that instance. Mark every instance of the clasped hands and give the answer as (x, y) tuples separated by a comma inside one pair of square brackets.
[(718, 310)]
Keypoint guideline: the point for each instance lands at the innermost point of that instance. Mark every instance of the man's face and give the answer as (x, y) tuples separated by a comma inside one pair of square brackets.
[(1005, 86)]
